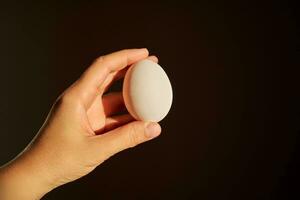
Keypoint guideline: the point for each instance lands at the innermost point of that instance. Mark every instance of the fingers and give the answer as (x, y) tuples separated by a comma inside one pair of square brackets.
[(124, 137), (115, 122), (114, 76), (112, 62), (92, 79), (111, 78), (112, 103)]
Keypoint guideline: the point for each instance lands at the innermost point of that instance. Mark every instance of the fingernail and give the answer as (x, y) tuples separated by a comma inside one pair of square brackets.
[(152, 130)]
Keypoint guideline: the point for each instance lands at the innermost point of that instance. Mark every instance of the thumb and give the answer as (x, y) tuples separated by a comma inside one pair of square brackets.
[(127, 136)]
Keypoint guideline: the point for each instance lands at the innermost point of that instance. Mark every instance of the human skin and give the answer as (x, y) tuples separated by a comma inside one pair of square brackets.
[(81, 131)]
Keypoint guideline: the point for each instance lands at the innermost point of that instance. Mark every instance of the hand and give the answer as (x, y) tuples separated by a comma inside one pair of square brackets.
[(80, 132)]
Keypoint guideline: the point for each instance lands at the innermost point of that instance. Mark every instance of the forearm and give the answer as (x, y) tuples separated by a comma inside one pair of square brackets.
[(22, 179)]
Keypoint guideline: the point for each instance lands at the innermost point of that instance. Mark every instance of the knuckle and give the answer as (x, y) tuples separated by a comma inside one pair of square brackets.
[(104, 60), (100, 59), (125, 51), (65, 98), (68, 98)]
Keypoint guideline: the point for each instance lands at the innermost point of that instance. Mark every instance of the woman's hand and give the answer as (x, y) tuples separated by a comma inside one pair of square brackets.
[(80, 132)]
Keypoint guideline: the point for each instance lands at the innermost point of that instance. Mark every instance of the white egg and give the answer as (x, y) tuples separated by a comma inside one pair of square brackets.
[(147, 91)]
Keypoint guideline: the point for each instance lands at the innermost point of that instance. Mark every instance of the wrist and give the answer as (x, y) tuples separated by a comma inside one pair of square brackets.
[(23, 179)]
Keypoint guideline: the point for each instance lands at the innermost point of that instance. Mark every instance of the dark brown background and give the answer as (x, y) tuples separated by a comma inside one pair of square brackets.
[(233, 129)]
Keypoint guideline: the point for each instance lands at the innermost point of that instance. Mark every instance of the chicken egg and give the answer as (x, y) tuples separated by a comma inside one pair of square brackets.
[(147, 91)]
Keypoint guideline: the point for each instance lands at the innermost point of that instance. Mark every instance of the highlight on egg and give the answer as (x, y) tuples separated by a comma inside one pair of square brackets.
[(147, 91)]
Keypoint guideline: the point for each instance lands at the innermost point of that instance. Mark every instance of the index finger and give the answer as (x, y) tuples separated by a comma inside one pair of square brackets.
[(95, 75)]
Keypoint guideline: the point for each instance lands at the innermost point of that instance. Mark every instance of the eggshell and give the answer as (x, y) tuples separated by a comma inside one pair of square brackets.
[(147, 91)]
